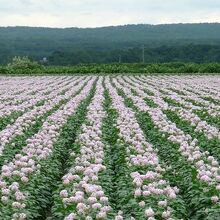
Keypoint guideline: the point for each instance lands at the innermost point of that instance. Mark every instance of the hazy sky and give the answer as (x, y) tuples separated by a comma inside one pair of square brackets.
[(96, 13)]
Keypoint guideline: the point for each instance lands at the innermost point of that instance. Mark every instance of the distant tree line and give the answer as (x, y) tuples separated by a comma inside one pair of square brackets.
[(199, 43), (24, 65)]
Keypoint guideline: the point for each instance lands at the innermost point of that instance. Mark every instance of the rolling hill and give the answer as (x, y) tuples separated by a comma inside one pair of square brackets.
[(163, 43)]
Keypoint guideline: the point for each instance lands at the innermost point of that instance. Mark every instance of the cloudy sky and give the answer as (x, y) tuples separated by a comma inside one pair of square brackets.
[(96, 13)]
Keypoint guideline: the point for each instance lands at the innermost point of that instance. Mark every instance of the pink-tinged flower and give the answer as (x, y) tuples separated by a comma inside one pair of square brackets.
[(2, 184), (138, 182), (16, 205), (166, 214), (24, 179), (68, 200), (71, 216), (151, 218), (134, 174), (214, 199), (15, 216), (64, 194), (149, 212), (206, 178), (5, 191), (66, 182), (23, 205), (162, 203), (215, 163), (176, 190), (101, 215), (142, 204), (100, 193), (106, 209), (22, 216), (118, 217), (146, 193), (4, 199), (96, 206), (81, 206), (104, 199), (79, 198), (6, 174), (19, 196), (92, 200), (137, 192), (95, 178), (172, 195)]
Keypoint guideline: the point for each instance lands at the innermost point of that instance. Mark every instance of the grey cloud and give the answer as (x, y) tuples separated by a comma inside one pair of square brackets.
[(88, 12)]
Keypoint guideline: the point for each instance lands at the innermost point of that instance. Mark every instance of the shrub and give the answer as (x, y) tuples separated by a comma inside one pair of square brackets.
[(23, 65)]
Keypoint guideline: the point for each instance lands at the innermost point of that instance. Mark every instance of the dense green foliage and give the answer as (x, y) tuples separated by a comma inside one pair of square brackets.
[(163, 43), (19, 64), (159, 68)]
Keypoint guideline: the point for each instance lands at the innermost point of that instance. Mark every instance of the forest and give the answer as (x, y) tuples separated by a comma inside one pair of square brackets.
[(197, 43)]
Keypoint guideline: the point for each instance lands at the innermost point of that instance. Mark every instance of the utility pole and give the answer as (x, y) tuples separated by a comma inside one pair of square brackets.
[(143, 53), (119, 59)]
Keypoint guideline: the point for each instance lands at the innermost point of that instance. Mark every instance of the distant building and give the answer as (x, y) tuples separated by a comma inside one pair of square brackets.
[(44, 60)]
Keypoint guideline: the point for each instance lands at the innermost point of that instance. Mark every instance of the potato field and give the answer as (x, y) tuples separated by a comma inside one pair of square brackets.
[(110, 147)]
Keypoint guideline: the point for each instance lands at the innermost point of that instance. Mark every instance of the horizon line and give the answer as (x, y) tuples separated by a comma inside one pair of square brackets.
[(96, 27)]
